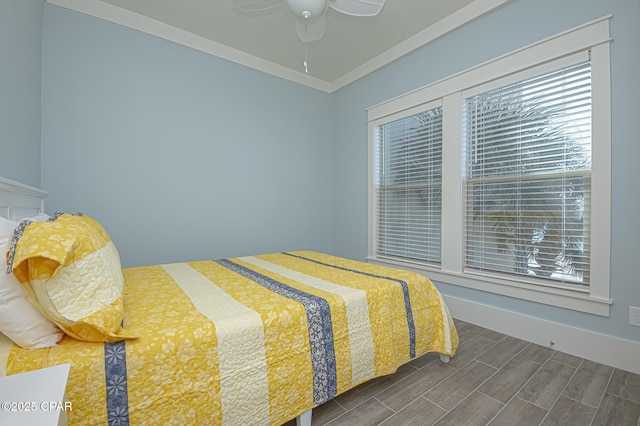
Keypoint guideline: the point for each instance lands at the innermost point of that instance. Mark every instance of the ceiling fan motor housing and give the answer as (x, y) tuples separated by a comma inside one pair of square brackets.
[(307, 8)]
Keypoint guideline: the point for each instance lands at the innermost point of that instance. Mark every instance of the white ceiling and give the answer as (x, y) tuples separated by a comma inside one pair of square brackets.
[(267, 40)]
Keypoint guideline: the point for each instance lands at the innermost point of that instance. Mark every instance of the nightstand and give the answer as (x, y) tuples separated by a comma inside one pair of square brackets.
[(35, 397)]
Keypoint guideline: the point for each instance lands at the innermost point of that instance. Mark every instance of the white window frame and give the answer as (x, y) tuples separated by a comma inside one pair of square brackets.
[(593, 38), (408, 113)]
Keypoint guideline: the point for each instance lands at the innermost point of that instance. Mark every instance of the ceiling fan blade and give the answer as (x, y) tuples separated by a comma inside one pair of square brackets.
[(357, 7), (255, 5), (311, 29)]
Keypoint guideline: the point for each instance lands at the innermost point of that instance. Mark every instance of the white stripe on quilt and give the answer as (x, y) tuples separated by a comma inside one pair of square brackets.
[(358, 321), (243, 368)]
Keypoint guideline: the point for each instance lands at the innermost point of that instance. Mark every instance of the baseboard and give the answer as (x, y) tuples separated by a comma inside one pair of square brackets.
[(609, 350)]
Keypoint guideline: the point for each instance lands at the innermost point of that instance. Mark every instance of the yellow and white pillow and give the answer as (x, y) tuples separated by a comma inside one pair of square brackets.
[(71, 272), (19, 319)]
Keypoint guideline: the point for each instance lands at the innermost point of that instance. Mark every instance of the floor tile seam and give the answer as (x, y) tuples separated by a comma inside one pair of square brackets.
[(340, 405), (581, 402), (501, 408), (533, 360), (394, 411), (527, 382), (601, 396), (436, 384), (545, 414), (460, 367), (362, 403), (495, 399), (623, 372), (601, 399), (436, 404), (477, 387), (393, 383), (537, 405), (485, 351), (613, 370), (488, 378), (353, 408), (497, 414), (564, 363), (489, 365), (464, 399), (522, 350), (429, 363), (503, 363), (548, 410), (334, 421), (561, 394), (622, 397), (504, 336), (373, 396), (564, 388), (431, 402), (514, 396), (455, 406), (469, 394), (448, 364)]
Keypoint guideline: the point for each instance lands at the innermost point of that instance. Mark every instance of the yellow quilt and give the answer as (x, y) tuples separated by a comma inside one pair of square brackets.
[(251, 340)]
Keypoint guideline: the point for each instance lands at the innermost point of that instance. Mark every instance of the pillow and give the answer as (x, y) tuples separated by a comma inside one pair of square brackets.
[(71, 271), (19, 319)]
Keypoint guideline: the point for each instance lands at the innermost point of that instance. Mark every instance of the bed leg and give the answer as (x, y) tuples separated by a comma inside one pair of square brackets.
[(444, 358), (304, 419)]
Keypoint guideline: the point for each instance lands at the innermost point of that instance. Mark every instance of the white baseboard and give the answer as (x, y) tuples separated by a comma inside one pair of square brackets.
[(609, 350)]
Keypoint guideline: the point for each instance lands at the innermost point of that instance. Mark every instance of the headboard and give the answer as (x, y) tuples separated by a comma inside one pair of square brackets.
[(18, 200)]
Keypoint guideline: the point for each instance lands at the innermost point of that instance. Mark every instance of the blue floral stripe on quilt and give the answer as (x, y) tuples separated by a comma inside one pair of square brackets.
[(115, 365), (405, 291), (323, 358)]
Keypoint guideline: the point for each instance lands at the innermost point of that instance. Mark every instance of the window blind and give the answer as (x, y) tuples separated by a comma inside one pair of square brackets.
[(408, 182), (527, 177)]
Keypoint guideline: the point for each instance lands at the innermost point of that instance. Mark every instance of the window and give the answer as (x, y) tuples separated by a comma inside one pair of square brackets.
[(498, 178), (527, 175), (409, 187)]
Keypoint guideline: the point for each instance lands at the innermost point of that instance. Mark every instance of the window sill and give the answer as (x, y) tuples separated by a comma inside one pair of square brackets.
[(563, 298)]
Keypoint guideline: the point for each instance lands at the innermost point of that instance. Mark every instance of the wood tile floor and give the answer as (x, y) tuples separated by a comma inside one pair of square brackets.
[(494, 379)]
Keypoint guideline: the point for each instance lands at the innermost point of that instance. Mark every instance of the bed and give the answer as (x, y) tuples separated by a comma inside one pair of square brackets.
[(252, 340)]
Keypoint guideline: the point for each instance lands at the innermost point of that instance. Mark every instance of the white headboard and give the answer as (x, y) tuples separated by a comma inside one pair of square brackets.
[(18, 200)]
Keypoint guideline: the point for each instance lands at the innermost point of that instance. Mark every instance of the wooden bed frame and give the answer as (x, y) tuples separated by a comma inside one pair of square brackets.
[(18, 200)]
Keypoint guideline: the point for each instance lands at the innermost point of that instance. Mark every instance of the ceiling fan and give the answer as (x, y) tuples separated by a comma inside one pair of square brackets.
[(310, 14)]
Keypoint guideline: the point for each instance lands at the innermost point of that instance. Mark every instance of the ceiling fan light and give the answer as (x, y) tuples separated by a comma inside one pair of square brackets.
[(314, 8)]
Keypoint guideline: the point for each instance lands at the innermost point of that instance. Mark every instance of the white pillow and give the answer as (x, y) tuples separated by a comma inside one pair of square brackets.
[(19, 319)]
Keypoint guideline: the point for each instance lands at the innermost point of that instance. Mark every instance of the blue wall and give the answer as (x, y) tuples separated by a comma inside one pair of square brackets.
[(179, 154), (516, 25), (185, 156), (20, 67)]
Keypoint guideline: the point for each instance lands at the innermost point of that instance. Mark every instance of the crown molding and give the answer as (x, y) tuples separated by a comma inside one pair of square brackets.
[(136, 21), (466, 14)]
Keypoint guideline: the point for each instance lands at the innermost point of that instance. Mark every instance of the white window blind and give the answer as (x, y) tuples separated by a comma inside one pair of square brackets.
[(527, 178), (408, 185)]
